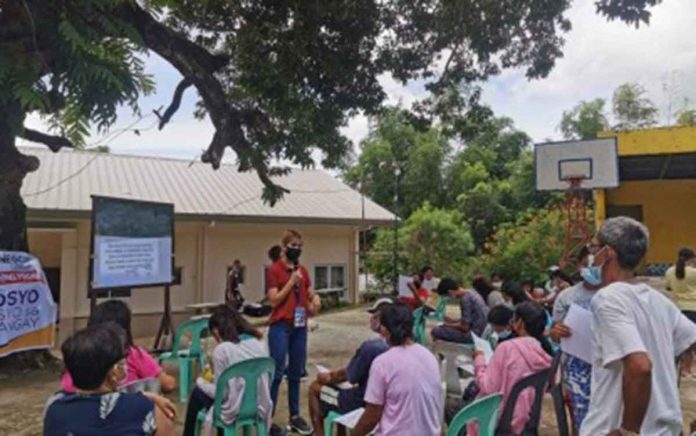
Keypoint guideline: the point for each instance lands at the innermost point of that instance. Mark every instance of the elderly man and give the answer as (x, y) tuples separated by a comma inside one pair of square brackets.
[(638, 334)]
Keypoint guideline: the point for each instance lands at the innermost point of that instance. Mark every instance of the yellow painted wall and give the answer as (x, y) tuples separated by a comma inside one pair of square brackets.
[(662, 140), (669, 211)]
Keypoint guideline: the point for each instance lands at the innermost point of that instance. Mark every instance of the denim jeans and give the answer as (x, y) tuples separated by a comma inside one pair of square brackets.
[(285, 341)]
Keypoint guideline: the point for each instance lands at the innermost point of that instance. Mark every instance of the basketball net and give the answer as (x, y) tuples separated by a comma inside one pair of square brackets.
[(577, 227)]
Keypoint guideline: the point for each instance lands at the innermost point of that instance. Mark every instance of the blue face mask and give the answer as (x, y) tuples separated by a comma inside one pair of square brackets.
[(504, 334), (592, 274)]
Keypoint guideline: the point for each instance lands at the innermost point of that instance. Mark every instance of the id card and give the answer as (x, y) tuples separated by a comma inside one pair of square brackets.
[(300, 317)]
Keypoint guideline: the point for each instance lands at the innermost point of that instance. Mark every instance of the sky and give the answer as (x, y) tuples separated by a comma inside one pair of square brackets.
[(598, 56)]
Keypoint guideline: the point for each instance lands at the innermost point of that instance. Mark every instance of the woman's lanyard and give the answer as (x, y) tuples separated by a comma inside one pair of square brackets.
[(299, 314)]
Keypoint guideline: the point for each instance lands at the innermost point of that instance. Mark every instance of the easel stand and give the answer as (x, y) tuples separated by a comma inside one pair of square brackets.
[(166, 327)]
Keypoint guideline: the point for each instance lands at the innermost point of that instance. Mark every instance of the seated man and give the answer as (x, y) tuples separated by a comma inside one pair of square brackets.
[(324, 396), (474, 312), (95, 357)]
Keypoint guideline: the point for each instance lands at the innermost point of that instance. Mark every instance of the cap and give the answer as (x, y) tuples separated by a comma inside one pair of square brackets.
[(553, 268), (379, 302)]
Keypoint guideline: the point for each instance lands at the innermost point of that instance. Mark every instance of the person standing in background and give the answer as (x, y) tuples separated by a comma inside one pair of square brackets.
[(681, 281), (577, 374), (292, 300)]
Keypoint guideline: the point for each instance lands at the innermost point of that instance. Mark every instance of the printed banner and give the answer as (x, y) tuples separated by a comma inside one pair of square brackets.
[(27, 310)]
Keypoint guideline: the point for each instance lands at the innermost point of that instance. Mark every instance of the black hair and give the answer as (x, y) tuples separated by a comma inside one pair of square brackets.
[(582, 253), (398, 320), (274, 253), (534, 317), (230, 324), (685, 255), (515, 292), (496, 274), (529, 283), (115, 311), (482, 286), (500, 315), (447, 284), (90, 353), (425, 269)]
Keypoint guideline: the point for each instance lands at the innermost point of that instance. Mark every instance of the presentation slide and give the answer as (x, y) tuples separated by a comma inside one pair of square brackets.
[(132, 243)]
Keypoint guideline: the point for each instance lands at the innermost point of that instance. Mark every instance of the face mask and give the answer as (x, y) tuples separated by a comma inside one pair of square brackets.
[(504, 334), (293, 254), (592, 274)]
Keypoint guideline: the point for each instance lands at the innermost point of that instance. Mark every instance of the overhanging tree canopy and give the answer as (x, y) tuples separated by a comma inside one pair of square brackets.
[(276, 78)]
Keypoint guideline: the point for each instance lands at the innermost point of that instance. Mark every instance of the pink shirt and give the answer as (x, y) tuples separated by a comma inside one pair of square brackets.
[(140, 365), (512, 360), (405, 380)]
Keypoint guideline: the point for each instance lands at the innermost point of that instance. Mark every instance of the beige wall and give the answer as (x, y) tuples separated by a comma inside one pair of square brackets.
[(204, 252)]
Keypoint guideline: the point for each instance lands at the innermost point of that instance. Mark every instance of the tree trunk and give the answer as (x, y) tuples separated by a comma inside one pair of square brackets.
[(14, 166)]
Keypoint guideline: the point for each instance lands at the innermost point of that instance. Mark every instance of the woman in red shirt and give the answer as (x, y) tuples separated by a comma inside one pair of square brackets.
[(292, 300), (420, 294)]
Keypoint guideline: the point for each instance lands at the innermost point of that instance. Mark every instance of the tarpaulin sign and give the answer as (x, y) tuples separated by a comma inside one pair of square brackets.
[(27, 310)]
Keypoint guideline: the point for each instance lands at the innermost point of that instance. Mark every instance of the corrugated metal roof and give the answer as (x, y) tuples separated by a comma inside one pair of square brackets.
[(66, 180)]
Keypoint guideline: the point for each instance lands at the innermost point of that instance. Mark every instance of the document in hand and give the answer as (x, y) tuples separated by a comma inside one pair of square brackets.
[(579, 344), (350, 420), (483, 346)]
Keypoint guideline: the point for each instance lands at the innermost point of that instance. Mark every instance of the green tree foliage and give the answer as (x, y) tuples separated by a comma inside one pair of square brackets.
[(525, 248), (584, 120), (687, 118), (631, 109), (394, 143), (430, 236)]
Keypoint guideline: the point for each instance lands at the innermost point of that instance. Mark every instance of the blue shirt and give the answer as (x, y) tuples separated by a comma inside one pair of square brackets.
[(358, 371), (474, 311), (111, 414)]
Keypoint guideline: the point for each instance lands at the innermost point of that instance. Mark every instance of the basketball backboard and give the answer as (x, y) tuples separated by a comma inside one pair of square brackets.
[(592, 164)]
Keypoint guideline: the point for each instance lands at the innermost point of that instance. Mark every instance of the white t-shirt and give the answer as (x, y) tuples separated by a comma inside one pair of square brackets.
[(431, 284), (630, 318)]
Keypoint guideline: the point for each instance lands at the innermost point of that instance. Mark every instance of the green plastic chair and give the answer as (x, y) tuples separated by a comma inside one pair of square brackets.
[(186, 357), (484, 411), (329, 422), (419, 326), (439, 314), (251, 370)]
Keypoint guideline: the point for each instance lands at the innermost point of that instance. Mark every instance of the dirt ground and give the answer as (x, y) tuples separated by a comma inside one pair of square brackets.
[(332, 343)]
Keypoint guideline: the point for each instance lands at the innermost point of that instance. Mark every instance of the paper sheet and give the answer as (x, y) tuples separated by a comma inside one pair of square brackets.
[(321, 369), (484, 346), (350, 420), (404, 290), (579, 344)]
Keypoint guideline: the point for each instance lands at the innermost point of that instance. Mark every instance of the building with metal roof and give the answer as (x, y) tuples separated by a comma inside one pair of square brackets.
[(220, 217)]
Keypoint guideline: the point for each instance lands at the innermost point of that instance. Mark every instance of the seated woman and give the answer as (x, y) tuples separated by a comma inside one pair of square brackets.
[(237, 341), (515, 359), (403, 395), (96, 358), (139, 364), (325, 396), (420, 294)]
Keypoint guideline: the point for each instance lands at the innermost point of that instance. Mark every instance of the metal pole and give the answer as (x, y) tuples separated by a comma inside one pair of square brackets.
[(396, 229)]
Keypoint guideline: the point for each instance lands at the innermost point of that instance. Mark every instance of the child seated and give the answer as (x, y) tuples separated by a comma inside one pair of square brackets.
[(139, 364), (95, 358), (500, 320)]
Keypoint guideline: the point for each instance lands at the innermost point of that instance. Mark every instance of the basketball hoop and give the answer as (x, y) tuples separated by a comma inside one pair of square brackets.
[(576, 168)]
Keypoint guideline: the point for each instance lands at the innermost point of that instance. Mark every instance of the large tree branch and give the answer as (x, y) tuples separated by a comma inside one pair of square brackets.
[(55, 143), (174, 105)]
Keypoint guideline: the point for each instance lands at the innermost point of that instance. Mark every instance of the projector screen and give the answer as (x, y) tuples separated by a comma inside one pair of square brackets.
[(132, 243)]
